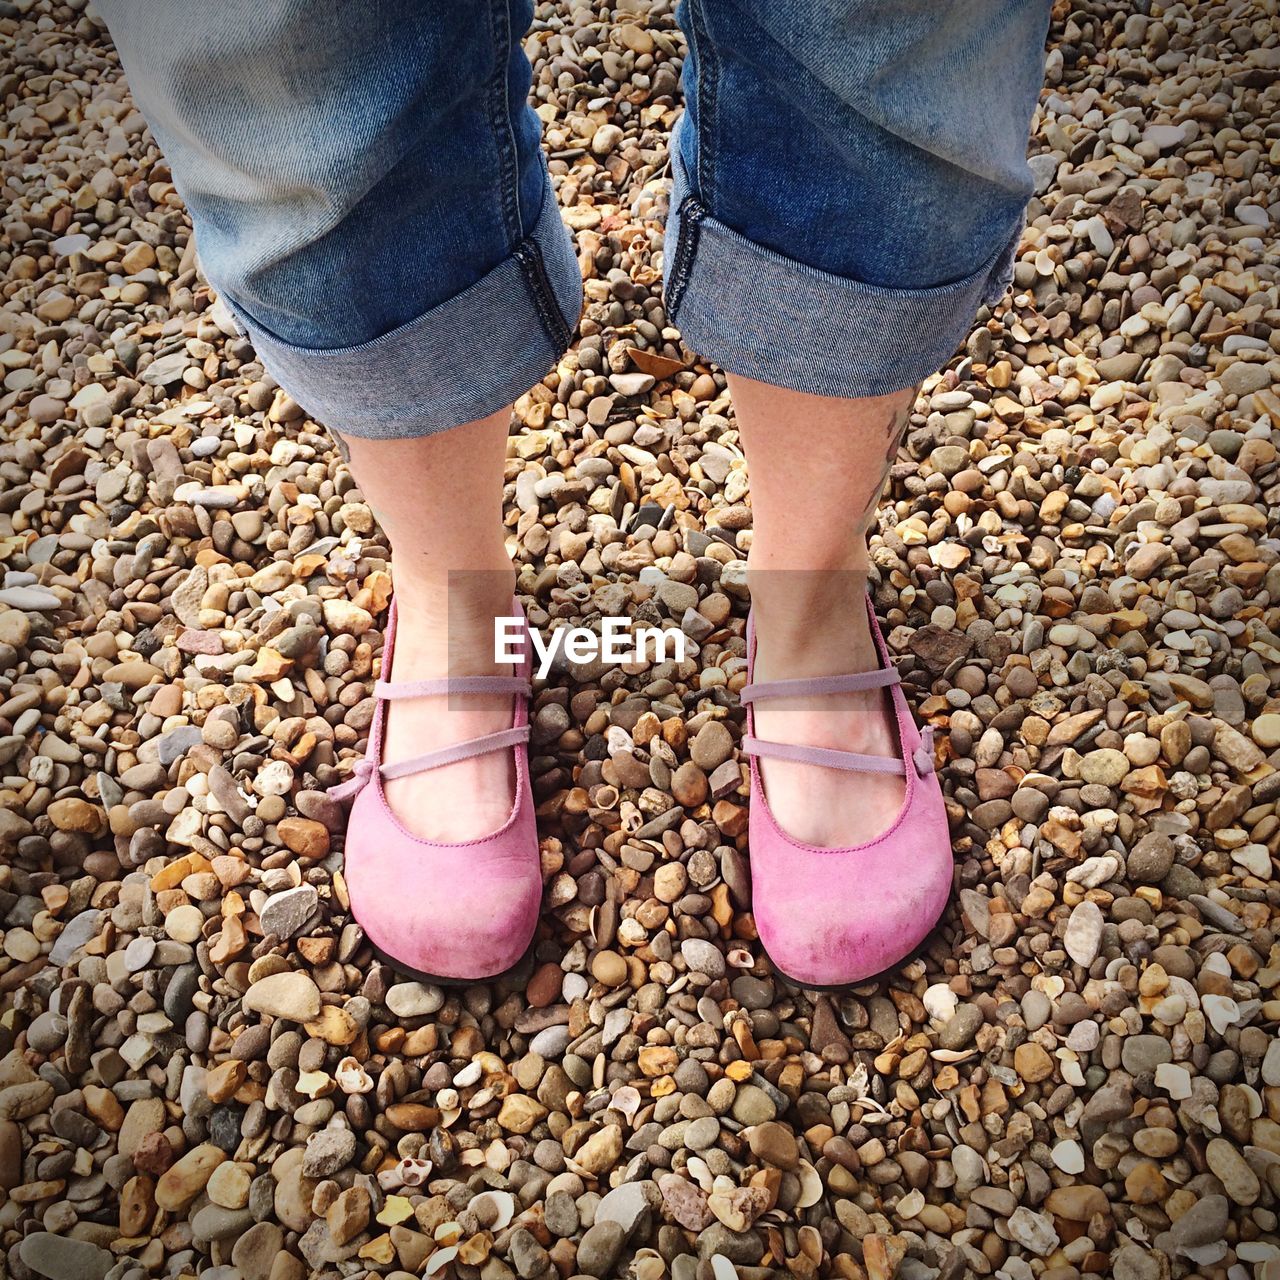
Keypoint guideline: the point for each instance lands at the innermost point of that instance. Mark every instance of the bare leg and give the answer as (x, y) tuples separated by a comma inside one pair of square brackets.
[(818, 466), (439, 498)]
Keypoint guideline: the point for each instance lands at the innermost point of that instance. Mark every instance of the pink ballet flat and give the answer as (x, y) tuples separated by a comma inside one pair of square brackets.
[(451, 913), (829, 918)]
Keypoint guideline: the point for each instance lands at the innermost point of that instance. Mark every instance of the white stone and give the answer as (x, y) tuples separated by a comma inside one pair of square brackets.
[(624, 1205), (1255, 859), (1222, 1011), (1174, 1079), (910, 1204), (940, 1001), (30, 599), (1271, 1064), (414, 999), (1068, 1156), (1033, 1231), (1084, 933), (1071, 1073)]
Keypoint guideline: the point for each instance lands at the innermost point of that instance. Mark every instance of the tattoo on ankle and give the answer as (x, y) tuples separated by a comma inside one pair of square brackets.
[(894, 429)]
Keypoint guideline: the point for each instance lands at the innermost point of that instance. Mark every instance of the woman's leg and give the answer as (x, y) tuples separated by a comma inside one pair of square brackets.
[(828, 458), (850, 187), (439, 501), (371, 201)]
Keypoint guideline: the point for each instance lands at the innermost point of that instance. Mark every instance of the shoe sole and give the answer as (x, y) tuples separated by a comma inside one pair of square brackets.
[(438, 980)]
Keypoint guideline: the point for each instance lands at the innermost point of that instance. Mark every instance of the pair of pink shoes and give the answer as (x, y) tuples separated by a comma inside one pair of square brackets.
[(827, 918)]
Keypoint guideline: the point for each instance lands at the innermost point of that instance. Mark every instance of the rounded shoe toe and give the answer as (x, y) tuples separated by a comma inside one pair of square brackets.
[(835, 917), (455, 912)]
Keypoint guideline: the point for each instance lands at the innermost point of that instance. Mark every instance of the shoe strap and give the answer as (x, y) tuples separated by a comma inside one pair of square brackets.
[(365, 769), (827, 757), (811, 685), (459, 751), (830, 758), (449, 686)]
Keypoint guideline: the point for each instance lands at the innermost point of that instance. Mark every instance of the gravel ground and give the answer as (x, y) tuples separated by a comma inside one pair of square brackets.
[(204, 1073)]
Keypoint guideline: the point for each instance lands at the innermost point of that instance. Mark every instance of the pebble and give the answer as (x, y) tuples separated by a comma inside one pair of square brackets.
[(625, 1204), (77, 931), (60, 1257), (599, 1248), (1084, 933), (291, 995), (414, 999), (327, 1152), (283, 914), (1074, 568)]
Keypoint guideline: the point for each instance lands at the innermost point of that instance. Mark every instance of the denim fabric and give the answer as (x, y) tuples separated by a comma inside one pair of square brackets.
[(369, 196), (850, 183), (371, 201)]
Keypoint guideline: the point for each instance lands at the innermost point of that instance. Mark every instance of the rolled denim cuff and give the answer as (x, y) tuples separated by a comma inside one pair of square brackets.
[(757, 313), (462, 360)]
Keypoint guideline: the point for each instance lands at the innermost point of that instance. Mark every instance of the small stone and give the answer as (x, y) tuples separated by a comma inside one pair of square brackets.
[(775, 1144), (74, 814), (414, 999), (283, 914), (187, 1177), (600, 1247), (1203, 1223), (348, 1215), (703, 957), (1033, 1231), (1174, 1079), (1143, 1053), (519, 1113), (305, 837), (184, 923), (1106, 767), (61, 1258), (600, 1152), (751, 1105), (77, 931), (291, 995), (1031, 1062), (1068, 1156), (1084, 933), (328, 1151), (958, 1031), (609, 968), (711, 746), (1271, 1063), (1150, 859), (685, 1202), (1229, 1167), (625, 1204)]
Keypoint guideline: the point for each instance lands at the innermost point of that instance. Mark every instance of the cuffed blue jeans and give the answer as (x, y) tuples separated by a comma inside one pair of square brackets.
[(371, 201)]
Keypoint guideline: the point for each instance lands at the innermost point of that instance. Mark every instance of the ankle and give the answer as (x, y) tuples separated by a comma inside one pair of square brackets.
[(818, 552), (811, 623), (449, 622), (467, 599), (806, 599)]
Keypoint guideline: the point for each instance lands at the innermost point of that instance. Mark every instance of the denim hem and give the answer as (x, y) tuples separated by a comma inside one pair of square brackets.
[(757, 313), (459, 361)]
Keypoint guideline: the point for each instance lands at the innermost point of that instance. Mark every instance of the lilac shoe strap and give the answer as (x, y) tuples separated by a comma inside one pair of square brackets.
[(830, 758), (459, 751), (827, 757), (450, 685), (365, 769), (811, 685)]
